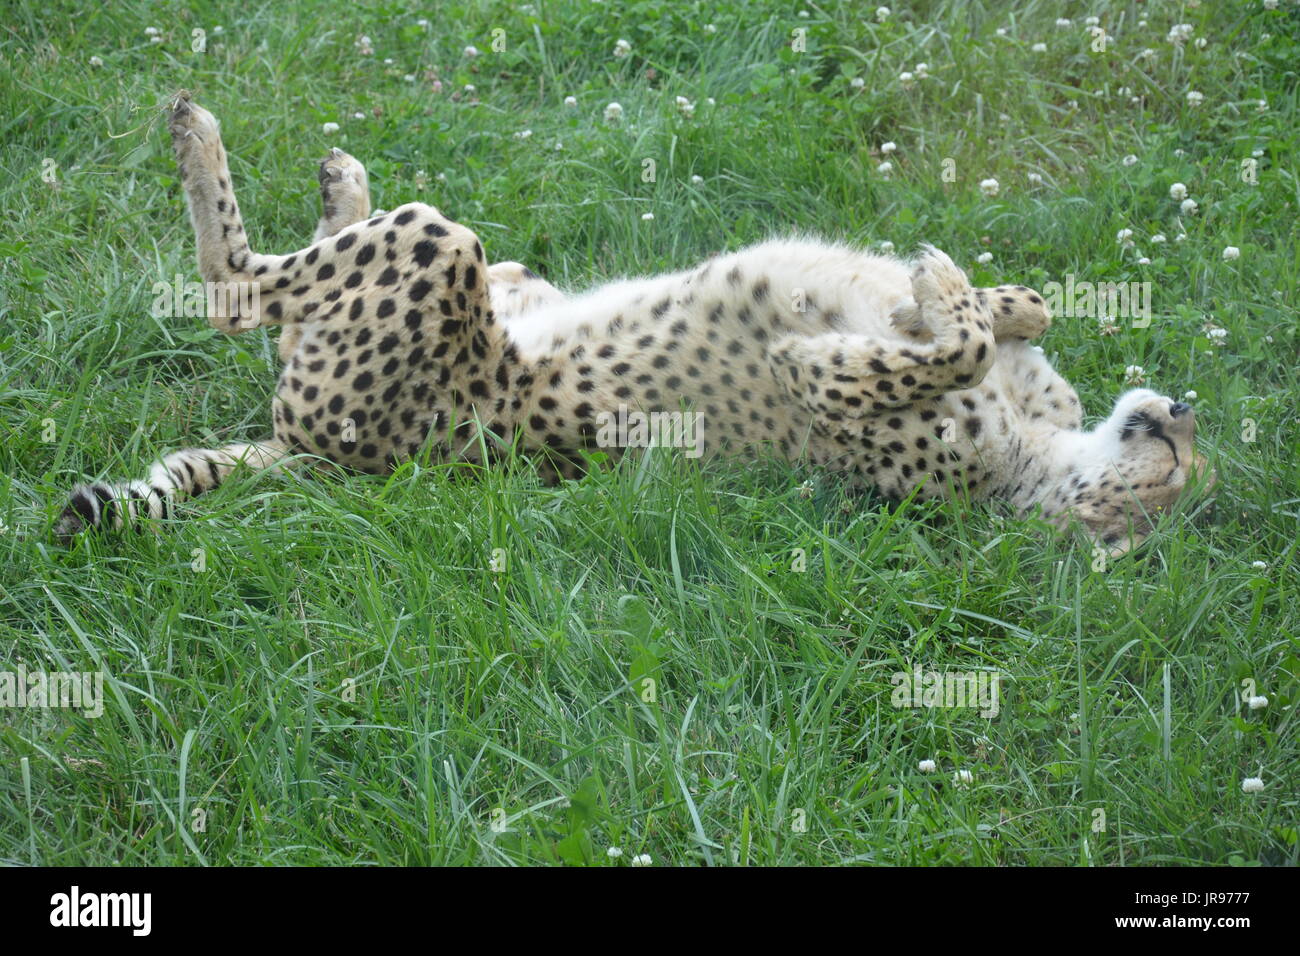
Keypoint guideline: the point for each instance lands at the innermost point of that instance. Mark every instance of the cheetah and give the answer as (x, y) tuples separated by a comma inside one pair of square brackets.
[(399, 339)]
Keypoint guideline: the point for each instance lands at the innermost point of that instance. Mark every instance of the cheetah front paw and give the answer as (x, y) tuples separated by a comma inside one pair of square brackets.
[(1018, 311), (937, 282)]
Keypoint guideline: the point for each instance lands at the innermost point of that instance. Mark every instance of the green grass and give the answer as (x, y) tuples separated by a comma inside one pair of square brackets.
[(348, 681)]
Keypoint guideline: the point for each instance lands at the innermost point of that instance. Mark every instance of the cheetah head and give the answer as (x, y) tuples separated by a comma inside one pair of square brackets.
[(1142, 459)]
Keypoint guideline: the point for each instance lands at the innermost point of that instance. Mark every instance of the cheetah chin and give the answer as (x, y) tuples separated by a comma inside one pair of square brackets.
[(398, 339)]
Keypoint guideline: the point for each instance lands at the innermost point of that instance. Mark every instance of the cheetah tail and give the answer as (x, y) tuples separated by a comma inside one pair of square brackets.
[(180, 474)]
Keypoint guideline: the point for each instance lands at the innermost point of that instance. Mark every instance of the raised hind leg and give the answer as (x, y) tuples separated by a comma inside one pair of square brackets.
[(345, 200)]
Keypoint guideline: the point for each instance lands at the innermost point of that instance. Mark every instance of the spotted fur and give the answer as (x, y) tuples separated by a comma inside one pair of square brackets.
[(398, 336)]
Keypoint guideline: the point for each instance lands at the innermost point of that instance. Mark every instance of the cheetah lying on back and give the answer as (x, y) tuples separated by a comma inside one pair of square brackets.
[(397, 334)]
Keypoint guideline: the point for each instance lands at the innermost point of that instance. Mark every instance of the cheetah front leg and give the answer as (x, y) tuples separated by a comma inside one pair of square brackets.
[(836, 375)]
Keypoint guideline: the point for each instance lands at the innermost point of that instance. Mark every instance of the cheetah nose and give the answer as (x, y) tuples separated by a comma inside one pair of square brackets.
[(1178, 408)]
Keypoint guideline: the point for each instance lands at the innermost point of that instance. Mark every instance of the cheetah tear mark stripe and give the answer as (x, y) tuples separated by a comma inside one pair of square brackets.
[(185, 473)]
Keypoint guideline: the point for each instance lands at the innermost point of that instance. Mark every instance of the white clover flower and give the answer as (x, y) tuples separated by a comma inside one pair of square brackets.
[(803, 14), (570, 101), (155, 39), (1190, 395), (927, 766), (1063, 22), (1195, 98), (1270, 4), (330, 128), (885, 169), (363, 45), (1124, 237), (622, 48), (1158, 238), (647, 216), (882, 14), (523, 134), (1252, 785), (989, 187), (471, 52), (1261, 106), (1143, 261), (906, 79), (1189, 207), (1001, 31), (697, 180), (422, 23), (218, 30), (962, 777), (1091, 21), (1177, 192), (613, 113), (984, 258), (710, 28), (613, 853), (1202, 43), (857, 83), (1134, 374), (359, 116), (1035, 178), (887, 247), (96, 61), (922, 70), (1147, 54), (685, 107), (1260, 566), (1039, 48), (1179, 33), (1258, 702), (1124, 91), (150, 31), (1106, 325), (409, 78), (1230, 253), (1217, 336), (1257, 153), (1129, 160), (471, 89), (1142, 23), (1180, 237), (642, 859), (888, 147), (1135, 101), (388, 61), (710, 101)]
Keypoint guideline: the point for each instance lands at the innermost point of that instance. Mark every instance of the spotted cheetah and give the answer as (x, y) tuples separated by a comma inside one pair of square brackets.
[(398, 337)]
